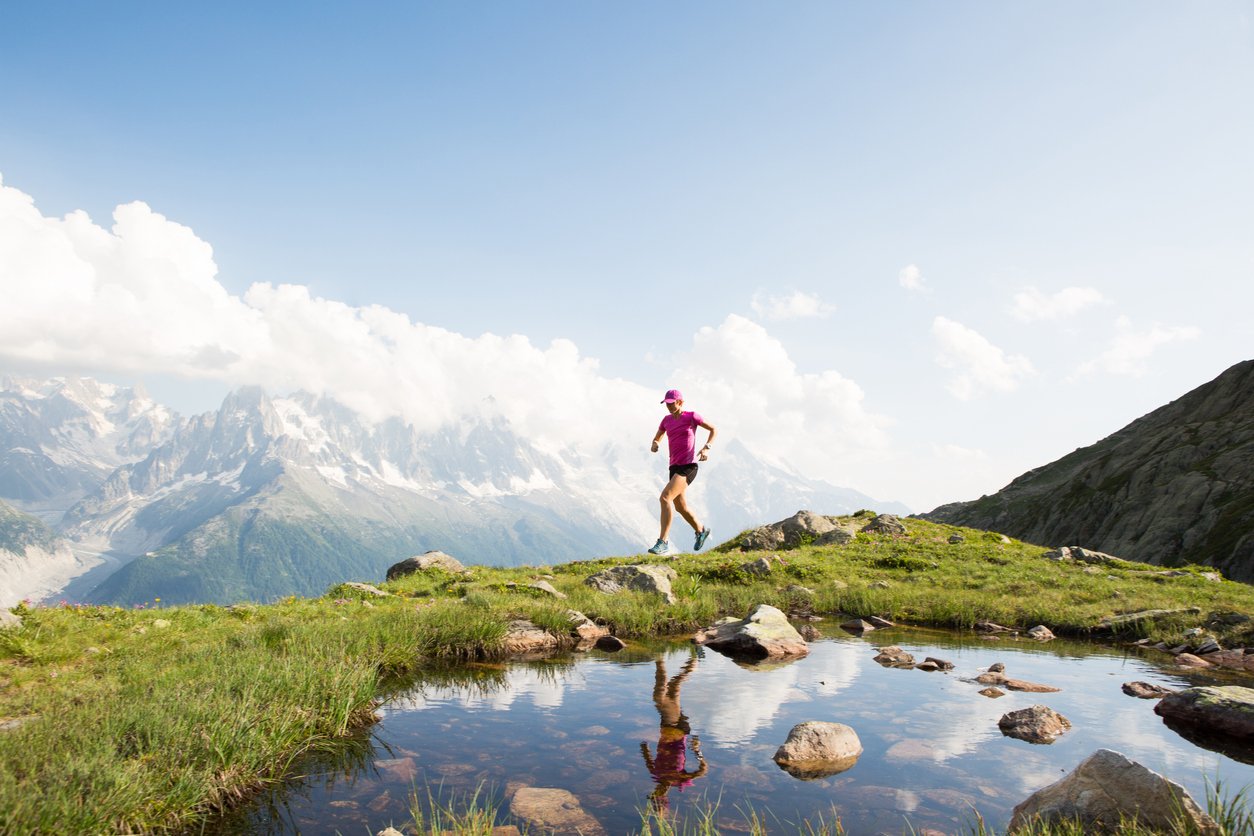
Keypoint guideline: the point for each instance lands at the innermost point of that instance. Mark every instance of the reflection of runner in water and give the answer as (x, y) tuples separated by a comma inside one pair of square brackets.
[(668, 767)]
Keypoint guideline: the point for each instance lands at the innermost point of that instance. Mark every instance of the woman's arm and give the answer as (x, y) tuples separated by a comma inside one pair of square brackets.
[(706, 425)]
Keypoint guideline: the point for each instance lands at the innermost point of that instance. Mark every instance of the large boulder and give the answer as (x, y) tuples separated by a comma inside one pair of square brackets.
[(761, 539), (1216, 709), (802, 528), (638, 578), (424, 562), (551, 810), (1107, 789), (885, 524), (9, 619), (763, 634), (816, 749), (1035, 724)]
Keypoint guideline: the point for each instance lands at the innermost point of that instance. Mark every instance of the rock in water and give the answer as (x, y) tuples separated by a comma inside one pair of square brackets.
[(1037, 724), (1145, 690), (523, 638), (1219, 709), (1108, 788), (550, 810), (816, 749), (893, 656), (763, 634)]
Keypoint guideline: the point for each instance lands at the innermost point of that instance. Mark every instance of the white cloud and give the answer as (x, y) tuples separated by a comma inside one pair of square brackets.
[(958, 453), (749, 383), (911, 278), (1129, 349), (796, 305), (1031, 305), (977, 364), (143, 298)]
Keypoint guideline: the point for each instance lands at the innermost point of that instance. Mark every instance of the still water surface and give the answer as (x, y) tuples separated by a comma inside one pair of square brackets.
[(596, 725)]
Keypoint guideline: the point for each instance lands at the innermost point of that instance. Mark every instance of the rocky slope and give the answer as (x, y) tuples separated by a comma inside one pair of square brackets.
[(33, 560), (1175, 486)]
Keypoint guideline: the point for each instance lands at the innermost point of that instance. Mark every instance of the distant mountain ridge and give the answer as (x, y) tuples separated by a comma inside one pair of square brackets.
[(267, 497), (1175, 486)]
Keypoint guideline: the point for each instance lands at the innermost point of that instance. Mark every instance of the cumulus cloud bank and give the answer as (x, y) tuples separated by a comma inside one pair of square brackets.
[(976, 363), (1129, 348), (746, 375), (143, 298), (796, 305), (1031, 305)]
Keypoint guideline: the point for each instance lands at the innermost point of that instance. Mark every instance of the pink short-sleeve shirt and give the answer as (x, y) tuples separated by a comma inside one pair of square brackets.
[(681, 434)]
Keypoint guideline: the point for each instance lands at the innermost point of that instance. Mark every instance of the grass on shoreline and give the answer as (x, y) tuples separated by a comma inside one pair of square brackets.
[(152, 720)]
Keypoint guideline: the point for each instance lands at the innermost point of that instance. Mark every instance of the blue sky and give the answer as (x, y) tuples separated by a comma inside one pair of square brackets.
[(959, 239)]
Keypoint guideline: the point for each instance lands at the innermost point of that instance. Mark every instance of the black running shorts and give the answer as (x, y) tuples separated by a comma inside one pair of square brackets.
[(688, 471)]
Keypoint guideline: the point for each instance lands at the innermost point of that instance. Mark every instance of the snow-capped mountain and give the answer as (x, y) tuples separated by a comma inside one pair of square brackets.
[(60, 438), (287, 495)]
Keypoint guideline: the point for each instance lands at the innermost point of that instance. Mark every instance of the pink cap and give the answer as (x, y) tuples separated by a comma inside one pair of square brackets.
[(672, 395)]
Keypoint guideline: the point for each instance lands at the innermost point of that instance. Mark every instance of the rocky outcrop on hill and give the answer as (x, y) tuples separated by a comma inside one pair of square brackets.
[(801, 529), (1175, 486)]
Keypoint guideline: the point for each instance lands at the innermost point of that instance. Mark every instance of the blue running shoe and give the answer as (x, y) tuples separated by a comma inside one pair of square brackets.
[(701, 537), (660, 547)]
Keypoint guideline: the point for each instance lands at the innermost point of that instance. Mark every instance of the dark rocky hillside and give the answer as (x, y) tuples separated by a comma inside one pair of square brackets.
[(1175, 486)]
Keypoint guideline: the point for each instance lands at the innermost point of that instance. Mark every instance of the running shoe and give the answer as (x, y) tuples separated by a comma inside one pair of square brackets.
[(701, 537), (660, 547)]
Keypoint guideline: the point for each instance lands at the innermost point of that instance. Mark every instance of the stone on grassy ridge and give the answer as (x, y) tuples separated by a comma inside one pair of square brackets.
[(423, 562), (802, 528), (367, 589), (885, 524), (635, 578)]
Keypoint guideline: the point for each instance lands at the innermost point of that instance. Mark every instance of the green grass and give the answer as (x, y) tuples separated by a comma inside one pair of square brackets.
[(155, 719)]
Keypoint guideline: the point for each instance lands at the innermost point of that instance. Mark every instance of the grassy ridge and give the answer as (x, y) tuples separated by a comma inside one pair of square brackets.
[(151, 719)]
